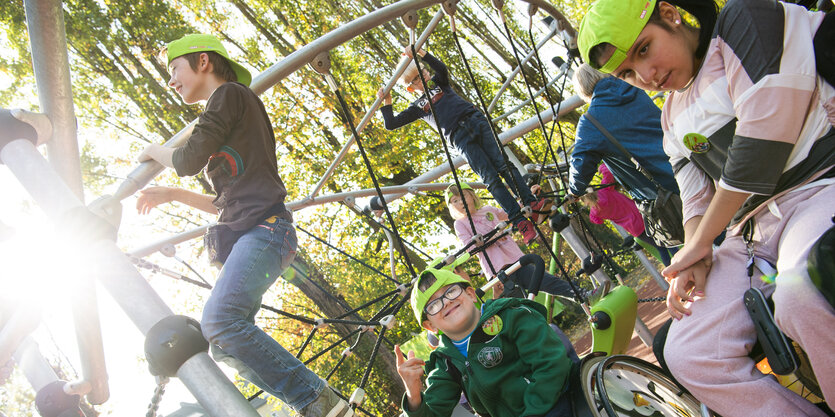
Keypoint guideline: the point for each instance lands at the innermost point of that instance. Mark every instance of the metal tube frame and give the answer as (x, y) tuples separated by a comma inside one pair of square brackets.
[(127, 286), (518, 69), (647, 264), (45, 20)]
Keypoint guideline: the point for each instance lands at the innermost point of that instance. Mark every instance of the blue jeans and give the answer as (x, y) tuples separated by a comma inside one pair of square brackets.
[(258, 258), (474, 140)]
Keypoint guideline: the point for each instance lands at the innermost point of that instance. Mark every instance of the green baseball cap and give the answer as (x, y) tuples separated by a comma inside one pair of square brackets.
[(200, 42), (442, 277), (617, 22), (452, 187)]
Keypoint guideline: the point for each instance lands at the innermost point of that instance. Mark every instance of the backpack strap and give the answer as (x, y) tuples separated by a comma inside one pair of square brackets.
[(617, 144)]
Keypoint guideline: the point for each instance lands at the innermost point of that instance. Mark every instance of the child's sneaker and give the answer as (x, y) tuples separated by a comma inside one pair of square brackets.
[(527, 230), (540, 209), (327, 404)]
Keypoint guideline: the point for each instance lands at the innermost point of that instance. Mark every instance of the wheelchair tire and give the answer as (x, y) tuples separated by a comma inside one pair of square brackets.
[(626, 386), (588, 384)]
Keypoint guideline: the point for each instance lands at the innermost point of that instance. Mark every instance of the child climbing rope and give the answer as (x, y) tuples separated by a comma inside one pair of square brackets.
[(504, 251), (468, 130), (254, 238), (503, 356), (748, 126), (609, 204)]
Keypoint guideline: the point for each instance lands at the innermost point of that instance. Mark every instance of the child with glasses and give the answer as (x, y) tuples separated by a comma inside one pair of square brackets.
[(503, 355), (468, 130)]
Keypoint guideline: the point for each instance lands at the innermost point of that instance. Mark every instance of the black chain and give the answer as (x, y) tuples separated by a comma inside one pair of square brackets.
[(157, 398), (653, 299)]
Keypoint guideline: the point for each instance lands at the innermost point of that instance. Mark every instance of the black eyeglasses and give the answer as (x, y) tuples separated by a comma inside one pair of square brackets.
[(435, 306)]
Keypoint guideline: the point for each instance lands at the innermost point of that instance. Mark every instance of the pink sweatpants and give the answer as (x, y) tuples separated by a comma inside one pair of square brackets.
[(708, 351)]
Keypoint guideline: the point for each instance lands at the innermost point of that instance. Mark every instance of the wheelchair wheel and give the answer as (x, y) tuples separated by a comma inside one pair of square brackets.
[(620, 386), (588, 383)]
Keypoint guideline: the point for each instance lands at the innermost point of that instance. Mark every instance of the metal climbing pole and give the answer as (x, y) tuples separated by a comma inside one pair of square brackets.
[(45, 20), (113, 269)]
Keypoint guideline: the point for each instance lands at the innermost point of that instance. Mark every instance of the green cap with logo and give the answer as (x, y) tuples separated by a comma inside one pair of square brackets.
[(442, 277), (200, 42), (450, 191), (616, 22)]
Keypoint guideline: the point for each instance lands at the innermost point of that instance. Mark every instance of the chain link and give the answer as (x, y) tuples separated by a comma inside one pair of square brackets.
[(157, 398), (653, 299)]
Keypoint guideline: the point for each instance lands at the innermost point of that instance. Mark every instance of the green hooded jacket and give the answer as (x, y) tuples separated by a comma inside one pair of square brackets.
[(516, 366)]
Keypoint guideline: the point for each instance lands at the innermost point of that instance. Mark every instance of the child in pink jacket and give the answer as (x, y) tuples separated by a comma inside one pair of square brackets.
[(609, 204)]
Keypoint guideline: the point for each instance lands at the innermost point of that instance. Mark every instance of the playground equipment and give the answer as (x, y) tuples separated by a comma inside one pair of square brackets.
[(56, 187)]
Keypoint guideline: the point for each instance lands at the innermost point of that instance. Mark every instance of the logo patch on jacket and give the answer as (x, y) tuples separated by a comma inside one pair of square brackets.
[(697, 143), (490, 356), (492, 326)]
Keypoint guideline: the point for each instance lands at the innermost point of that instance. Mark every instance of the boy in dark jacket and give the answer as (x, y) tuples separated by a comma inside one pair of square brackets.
[(504, 357), (468, 130), (254, 238)]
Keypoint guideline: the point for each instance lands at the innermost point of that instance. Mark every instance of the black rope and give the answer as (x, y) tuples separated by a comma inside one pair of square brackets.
[(306, 342), (527, 83), (377, 345), (348, 255), (576, 290), (367, 304), (384, 227), (446, 148), (556, 111), (332, 345), (348, 118)]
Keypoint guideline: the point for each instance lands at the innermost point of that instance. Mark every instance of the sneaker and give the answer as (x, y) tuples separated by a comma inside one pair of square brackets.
[(540, 209), (327, 404), (527, 230), (593, 296)]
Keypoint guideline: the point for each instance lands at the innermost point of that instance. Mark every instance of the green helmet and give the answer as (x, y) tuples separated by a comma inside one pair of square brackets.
[(199, 42), (617, 22), (442, 278), (451, 190)]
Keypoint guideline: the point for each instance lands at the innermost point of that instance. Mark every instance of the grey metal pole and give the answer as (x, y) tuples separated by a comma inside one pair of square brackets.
[(127, 286), (642, 256), (35, 367), (518, 69), (373, 109), (568, 105), (23, 322), (298, 205), (45, 19)]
